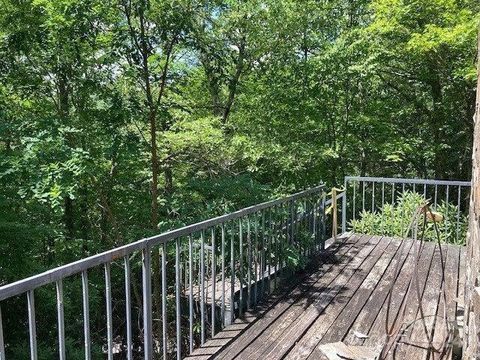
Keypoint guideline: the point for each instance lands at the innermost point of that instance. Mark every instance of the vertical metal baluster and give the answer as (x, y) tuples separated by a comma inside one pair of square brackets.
[(392, 210), (190, 292), (199, 276), (373, 197), (214, 280), (363, 196), (32, 327), (279, 237), (232, 275), (303, 219), (307, 226), (425, 191), (275, 245), (86, 316), (177, 299), (240, 307), (414, 187), (202, 287), (324, 225), (293, 222), (164, 300), (320, 222), (310, 232), (383, 203), (393, 194), (249, 268), (262, 257), (435, 199), (61, 321), (354, 198), (283, 236), (314, 208), (268, 256), (458, 212), (315, 223), (222, 309), (447, 217), (318, 229), (403, 217), (344, 207), (311, 225), (108, 304), (255, 258), (147, 303), (2, 342), (128, 306)]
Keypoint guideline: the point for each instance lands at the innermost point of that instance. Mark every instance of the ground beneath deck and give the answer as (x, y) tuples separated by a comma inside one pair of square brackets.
[(344, 298)]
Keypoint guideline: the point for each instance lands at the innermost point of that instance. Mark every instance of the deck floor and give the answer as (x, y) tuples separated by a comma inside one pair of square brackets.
[(345, 297)]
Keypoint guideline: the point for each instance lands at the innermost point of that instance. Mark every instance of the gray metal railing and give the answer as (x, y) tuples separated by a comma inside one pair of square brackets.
[(223, 265), (372, 194)]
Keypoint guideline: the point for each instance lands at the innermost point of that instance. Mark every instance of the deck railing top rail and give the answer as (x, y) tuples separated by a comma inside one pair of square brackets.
[(51, 276), (224, 265), (407, 181)]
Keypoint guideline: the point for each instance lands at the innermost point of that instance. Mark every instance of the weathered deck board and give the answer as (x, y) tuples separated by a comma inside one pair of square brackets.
[(379, 279), (345, 295), (283, 309)]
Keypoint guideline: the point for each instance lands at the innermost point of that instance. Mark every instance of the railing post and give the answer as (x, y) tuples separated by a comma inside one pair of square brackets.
[(344, 207), (147, 303), (334, 214), (2, 344), (323, 224)]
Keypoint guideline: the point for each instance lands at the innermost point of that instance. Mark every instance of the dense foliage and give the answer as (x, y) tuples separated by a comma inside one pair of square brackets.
[(123, 118), (398, 220)]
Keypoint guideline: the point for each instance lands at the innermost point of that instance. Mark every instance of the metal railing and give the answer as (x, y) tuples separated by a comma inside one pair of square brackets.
[(372, 194), (189, 283)]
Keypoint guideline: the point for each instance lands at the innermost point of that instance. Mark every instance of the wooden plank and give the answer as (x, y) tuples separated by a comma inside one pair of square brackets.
[(318, 317), (461, 283), (377, 301), (416, 347), (371, 295), (460, 306), (317, 299), (326, 259), (271, 332), (281, 311), (377, 334), (447, 307), (349, 312)]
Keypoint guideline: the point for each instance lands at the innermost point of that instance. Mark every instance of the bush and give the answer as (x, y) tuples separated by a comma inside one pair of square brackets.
[(394, 220)]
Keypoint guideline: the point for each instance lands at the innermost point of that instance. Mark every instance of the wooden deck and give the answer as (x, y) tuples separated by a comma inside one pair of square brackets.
[(344, 297)]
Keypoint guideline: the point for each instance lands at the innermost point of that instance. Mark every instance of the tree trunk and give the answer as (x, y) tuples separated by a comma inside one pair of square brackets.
[(437, 121), (232, 86), (63, 111), (471, 339)]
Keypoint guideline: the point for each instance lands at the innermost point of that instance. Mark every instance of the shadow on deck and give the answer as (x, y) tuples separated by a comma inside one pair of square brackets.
[(344, 298)]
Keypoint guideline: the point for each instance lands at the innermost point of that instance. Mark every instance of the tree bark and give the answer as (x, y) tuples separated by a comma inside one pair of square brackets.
[(63, 111), (471, 338), (232, 87)]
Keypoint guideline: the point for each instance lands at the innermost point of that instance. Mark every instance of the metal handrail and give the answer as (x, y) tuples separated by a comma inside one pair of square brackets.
[(288, 222), (407, 181), (368, 185), (51, 276)]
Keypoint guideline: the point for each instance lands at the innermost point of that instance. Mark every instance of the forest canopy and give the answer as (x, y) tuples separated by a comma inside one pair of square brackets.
[(123, 118)]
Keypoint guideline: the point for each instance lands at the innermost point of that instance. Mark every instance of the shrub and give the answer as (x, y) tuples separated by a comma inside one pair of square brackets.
[(394, 220)]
